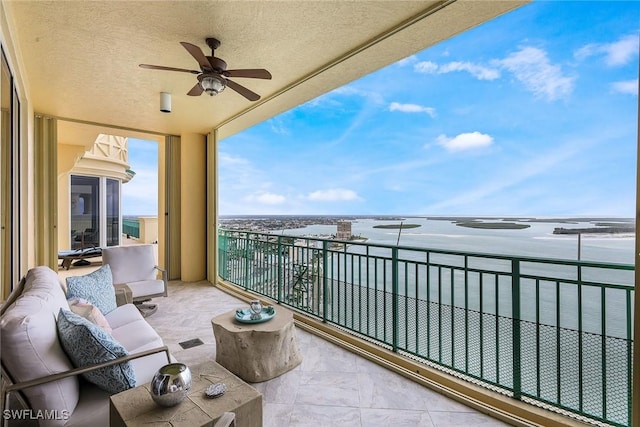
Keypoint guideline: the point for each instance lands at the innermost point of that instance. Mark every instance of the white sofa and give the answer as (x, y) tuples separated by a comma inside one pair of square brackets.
[(30, 351)]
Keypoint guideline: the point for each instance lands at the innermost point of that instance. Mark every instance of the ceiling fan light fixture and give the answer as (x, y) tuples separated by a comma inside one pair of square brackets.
[(212, 77), (212, 84)]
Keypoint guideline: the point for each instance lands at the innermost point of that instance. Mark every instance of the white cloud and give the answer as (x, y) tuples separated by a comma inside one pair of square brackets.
[(367, 94), (278, 126), (244, 186), (228, 160), (427, 67), (629, 87), (465, 141), (511, 177), (333, 195), (480, 72), (266, 198), (532, 68), (618, 53), (529, 65), (335, 98), (325, 100), (140, 195), (406, 61), (412, 108)]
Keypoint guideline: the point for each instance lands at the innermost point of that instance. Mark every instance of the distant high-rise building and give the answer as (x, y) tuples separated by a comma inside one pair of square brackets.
[(344, 230)]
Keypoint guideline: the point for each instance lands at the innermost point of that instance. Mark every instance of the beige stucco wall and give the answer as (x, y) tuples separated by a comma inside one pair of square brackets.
[(148, 229), (193, 238)]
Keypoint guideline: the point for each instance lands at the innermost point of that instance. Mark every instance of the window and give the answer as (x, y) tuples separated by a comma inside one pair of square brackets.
[(113, 212), (85, 219), (95, 211)]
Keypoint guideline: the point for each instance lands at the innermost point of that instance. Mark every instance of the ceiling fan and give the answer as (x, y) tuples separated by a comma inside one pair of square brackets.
[(213, 76)]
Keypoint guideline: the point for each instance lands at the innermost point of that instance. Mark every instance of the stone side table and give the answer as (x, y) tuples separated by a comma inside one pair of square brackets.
[(135, 407), (257, 352)]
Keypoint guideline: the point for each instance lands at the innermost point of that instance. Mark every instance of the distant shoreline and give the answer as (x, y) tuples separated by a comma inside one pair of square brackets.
[(595, 230), (397, 226), (261, 223)]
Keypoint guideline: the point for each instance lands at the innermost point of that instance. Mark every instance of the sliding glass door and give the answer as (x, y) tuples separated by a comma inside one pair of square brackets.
[(85, 212), (10, 188), (95, 212)]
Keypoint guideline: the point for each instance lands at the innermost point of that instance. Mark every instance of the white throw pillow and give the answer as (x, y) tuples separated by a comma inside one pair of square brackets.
[(84, 308)]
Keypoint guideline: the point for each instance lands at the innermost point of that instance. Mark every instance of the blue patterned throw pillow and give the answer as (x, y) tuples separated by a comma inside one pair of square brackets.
[(96, 287), (87, 344)]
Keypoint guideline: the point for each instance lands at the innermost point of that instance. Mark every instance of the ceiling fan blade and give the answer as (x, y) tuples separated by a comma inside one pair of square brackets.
[(258, 73), (196, 90), (160, 67), (196, 52), (250, 95)]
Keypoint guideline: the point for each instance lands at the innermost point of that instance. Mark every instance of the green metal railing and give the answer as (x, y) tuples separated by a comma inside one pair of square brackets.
[(553, 333), (131, 227)]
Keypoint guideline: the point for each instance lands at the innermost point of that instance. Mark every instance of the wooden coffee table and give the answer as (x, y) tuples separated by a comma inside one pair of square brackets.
[(257, 352), (135, 407)]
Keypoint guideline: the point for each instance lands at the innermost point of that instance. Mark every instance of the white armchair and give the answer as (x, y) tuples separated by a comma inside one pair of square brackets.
[(135, 266)]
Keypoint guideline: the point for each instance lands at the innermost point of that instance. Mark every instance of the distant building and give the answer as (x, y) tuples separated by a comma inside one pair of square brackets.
[(91, 172), (344, 230)]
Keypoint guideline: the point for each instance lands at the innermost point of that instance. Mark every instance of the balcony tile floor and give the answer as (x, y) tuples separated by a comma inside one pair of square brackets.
[(331, 387)]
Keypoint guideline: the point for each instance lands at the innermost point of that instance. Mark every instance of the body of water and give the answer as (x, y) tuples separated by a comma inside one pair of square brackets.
[(536, 241), (574, 350)]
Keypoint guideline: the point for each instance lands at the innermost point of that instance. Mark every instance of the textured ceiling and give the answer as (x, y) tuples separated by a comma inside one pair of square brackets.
[(81, 58)]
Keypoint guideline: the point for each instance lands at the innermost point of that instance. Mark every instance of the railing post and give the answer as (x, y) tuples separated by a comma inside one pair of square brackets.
[(515, 310), (394, 296), (280, 269), (246, 261), (325, 280)]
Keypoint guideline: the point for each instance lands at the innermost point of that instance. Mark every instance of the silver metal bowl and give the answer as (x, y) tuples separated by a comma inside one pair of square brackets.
[(171, 384)]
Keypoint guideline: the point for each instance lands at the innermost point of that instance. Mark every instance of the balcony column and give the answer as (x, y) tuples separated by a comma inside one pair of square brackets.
[(45, 182), (212, 206), (193, 208), (635, 398)]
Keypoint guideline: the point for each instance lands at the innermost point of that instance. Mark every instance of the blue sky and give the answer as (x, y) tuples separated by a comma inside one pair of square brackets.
[(533, 113), (140, 195)]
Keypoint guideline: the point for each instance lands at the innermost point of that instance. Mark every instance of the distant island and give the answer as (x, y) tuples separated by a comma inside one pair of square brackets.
[(262, 223), (615, 229), (397, 226), (492, 225), (567, 220)]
